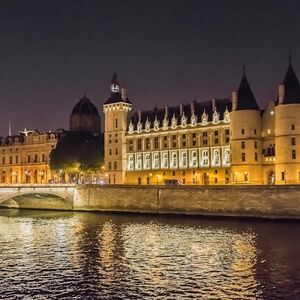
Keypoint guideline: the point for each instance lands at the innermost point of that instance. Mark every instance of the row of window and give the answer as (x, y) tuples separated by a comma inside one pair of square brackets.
[(166, 142), (244, 156), (243, 144), (30, 159), (179, 159)]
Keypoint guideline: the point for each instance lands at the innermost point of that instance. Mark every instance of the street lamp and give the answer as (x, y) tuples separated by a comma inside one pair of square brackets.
[(42, 176)]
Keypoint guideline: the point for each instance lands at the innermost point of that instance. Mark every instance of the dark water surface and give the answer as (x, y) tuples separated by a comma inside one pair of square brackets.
[(56, 255)]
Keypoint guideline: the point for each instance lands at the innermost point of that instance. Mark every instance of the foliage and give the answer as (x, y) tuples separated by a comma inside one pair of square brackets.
[(77, 153)]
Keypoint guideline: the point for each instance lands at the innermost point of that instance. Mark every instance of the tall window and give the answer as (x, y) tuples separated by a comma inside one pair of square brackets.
[(293, 154), (243, 131), (243, 144), (156, 144), (293, 141), (147, 161), (147, 143), (139, 162), (243, 156), (115, 165), (216, 157), (130, 145), (155, 161), (130, 165), (165, 160), (184, 159), (255, 145), (205, 158), (227, 156), (255, 156), (139, 144), (174, 160), (109, 165), (116, 123), (194, 159)]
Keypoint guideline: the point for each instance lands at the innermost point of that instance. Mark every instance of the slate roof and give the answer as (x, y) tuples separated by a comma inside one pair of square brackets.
[(246, 99), (199, 107), (291, 87), (85, 107)]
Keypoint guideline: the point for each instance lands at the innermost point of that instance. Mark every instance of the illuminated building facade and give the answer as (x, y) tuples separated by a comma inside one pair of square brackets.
[(24, 158), (223, 141)]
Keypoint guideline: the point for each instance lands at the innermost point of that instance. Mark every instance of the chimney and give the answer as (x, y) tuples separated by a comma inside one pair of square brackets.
[(124, 94), (213, 103), (234, 100), (181, 109), (192, 107), (166, 111), (281, 92)]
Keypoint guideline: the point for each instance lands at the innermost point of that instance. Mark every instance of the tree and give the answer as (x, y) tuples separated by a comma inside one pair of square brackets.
[(78, 154)]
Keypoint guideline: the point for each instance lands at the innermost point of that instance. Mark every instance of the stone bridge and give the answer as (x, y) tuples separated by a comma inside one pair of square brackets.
[(51, 196)]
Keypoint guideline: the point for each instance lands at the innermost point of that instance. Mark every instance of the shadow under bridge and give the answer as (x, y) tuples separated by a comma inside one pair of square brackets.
[(58, 197)]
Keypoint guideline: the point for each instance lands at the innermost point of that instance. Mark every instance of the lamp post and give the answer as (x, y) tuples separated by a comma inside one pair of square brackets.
[(60, 175), (41, 173)]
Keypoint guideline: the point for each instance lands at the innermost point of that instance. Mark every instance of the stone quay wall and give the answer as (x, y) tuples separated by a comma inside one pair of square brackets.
[(240, 201)]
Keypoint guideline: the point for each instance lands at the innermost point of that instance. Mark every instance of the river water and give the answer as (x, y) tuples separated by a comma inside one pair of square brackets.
[(57, 255)]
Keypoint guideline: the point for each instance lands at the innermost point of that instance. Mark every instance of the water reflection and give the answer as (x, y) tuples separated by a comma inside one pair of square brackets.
[(97, 256)]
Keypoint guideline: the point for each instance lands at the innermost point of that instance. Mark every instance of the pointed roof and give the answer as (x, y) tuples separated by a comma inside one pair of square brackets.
[(246, 99), (291, 86), (115, 79), (116, 96)]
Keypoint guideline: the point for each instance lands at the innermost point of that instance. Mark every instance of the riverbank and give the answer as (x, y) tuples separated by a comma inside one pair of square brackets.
[(276, 202), (235, 201)]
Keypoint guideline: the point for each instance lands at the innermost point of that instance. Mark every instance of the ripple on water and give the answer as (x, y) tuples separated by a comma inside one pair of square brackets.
[(87, 256)]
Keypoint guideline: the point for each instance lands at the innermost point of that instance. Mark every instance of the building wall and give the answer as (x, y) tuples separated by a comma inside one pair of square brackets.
[(116, 122), (25, 158), (246, 146), (192, 154)]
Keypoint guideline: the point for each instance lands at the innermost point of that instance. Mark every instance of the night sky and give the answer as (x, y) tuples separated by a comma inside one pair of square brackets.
[(164, 52)]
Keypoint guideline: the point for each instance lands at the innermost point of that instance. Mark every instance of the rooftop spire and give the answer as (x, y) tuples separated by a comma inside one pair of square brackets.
[(290, 58), (244, 70), (115, 79)]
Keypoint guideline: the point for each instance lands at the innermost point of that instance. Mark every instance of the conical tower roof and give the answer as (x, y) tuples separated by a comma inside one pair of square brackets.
[(291, 86), (246, 99)]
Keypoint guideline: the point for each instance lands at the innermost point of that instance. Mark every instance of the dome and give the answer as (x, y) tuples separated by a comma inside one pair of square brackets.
[(85, 116), (85, 107)]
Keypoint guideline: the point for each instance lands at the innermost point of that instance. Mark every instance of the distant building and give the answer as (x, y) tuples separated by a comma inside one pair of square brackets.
[(223, 141), (25, 158)]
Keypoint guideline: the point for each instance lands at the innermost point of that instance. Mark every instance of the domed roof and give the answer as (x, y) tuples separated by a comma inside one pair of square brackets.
[(85, 107)]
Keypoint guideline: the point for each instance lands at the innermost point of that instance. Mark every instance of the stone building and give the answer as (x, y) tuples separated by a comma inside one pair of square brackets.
[(25, 158), (223, 141)]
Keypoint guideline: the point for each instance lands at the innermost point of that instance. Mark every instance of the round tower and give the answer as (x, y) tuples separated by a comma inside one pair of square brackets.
[(116, 112), (245, 142), (287, 130)]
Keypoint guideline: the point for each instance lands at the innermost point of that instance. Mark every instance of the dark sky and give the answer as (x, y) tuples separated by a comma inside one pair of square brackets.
[(165, 52)]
